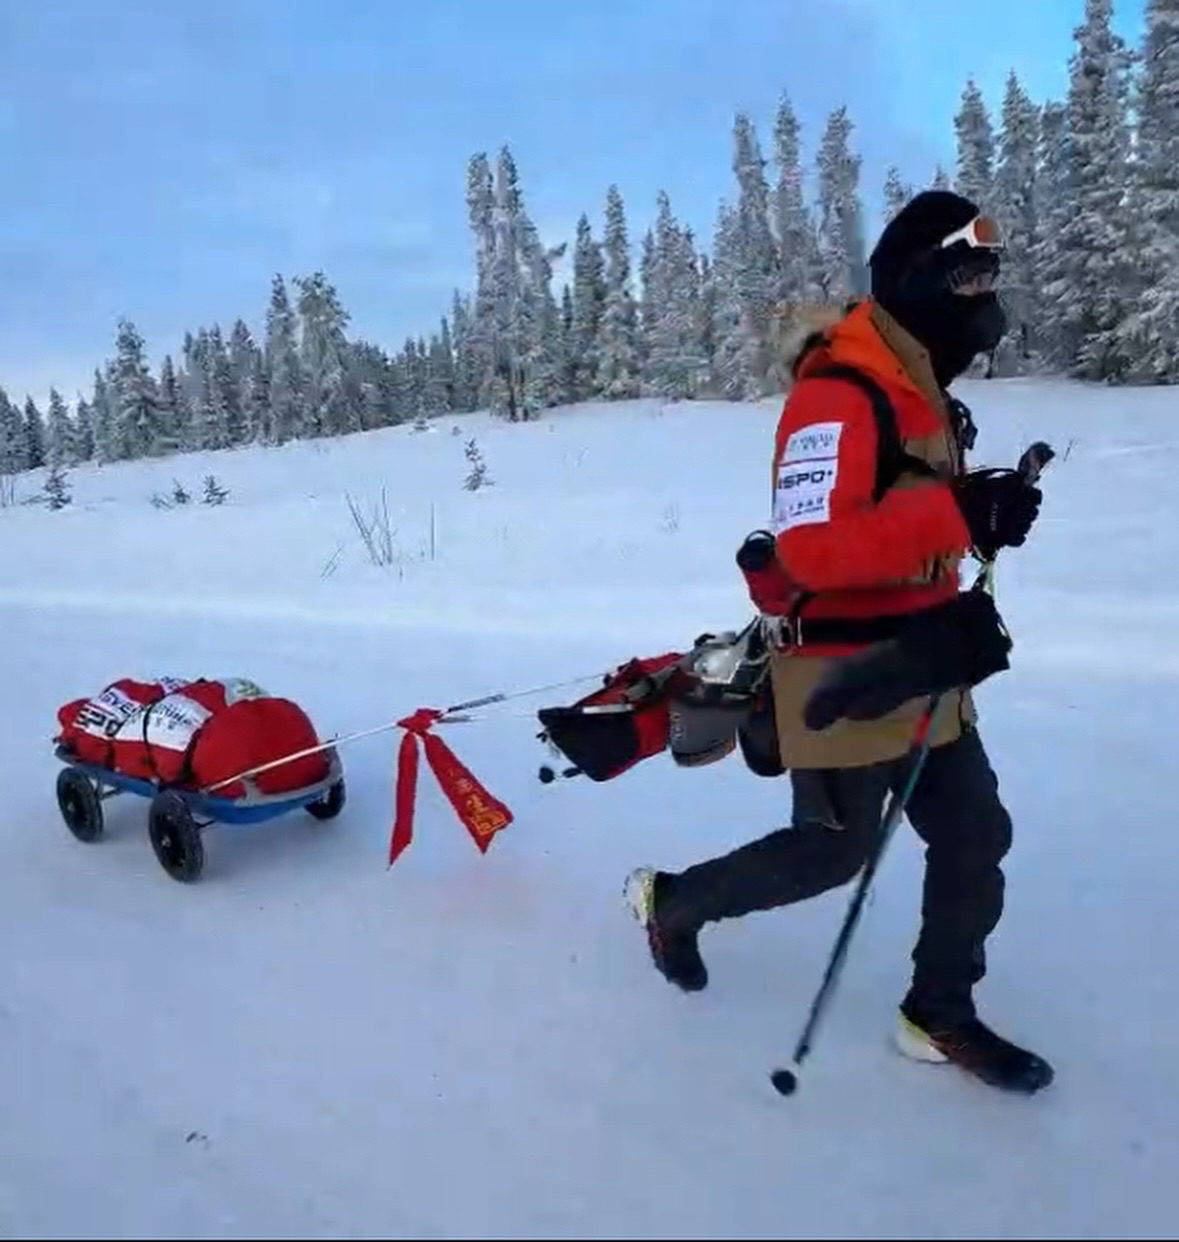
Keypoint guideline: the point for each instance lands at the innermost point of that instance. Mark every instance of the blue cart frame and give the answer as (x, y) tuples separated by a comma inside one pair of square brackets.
[(177, 817)]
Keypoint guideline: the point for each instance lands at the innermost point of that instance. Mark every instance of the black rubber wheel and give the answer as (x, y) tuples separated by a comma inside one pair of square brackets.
[(80, 806), (331, 804), (176, 837)]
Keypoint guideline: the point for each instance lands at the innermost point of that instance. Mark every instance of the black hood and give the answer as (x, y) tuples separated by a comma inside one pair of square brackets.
[(914, 278)]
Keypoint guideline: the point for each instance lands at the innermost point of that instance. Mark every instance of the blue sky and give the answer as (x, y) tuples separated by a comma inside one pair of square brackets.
[(162, 160)]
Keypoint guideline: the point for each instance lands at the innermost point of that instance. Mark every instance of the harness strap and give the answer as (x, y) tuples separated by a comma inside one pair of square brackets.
[(850, 631), (892, 458)]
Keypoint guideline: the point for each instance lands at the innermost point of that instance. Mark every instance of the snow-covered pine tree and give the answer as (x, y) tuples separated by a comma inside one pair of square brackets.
[(941, 179), (675, 364), (842, 249), (213, 492), (1053, 196), (56, 488), (13, 445), (1149, 335), (190, 380), (706, 319), (897, 192), (589, 301), (209, 421), (618, 353), (647, 307), (440, 382), (257, 390), (175, 412), (518, 303), (34, 431), (476, 467), (976, 147), (83, 430), (60, 446), (135, 396), (538, 322), (412, 368), (798, 254), (188, 377), (241, 400), (481, 323), (229, 394), (373, 370), (731, 363), (510, 314), (507, 379), (333, 399), (562, 361), (1015, 206), (757, 273), (400, 388), (466, 369), (284, 371), (565, 317), (430, 407), (104, 416), (1095, 239)]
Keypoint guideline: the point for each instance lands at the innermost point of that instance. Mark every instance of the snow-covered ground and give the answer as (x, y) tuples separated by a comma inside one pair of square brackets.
[(305, 1044)]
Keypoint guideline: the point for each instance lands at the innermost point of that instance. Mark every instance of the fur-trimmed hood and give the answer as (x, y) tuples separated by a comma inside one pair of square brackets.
[(812, 327), (803, 331)]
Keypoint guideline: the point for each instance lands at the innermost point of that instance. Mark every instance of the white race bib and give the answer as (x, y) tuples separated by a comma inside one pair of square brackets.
[(806, 477)]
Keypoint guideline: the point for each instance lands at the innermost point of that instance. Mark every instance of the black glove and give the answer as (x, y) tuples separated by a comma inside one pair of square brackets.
[(998, 507)]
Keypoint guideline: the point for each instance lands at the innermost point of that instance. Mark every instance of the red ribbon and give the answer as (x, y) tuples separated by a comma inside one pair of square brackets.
[(481, 814)]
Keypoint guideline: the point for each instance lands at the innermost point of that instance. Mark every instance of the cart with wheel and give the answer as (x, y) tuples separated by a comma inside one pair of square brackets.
[(177, 816)]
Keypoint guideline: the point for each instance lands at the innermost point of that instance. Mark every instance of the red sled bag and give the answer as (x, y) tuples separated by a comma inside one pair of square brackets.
[(194, 734), (693, 705), (626, 721)]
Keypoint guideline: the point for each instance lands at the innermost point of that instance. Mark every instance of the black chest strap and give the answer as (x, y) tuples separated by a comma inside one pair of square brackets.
[(892, 459)]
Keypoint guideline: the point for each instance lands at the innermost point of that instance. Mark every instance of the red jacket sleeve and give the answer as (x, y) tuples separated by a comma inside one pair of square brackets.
[(831, 536)]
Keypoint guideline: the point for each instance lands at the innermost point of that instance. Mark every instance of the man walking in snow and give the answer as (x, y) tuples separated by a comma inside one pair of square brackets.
[(869, 547)]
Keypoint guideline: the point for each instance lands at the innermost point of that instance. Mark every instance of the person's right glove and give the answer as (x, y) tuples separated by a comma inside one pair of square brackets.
[(998, 507)]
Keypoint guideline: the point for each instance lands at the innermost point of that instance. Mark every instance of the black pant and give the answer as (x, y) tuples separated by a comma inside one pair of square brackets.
[(955, 809)]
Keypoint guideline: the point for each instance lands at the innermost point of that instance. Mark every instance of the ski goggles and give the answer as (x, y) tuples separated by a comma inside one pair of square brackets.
[(980, 244), (981, 233)]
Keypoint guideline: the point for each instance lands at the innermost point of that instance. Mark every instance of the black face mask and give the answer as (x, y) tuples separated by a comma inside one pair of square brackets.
[(959, 328), (954, 327)]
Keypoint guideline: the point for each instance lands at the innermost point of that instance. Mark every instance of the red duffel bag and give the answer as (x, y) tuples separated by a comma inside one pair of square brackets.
[(194, 734)]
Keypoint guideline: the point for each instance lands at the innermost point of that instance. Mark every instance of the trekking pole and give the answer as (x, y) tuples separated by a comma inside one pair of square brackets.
[(785, 1080)]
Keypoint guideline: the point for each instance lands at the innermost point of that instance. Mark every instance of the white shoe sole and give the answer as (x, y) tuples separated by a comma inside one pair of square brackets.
[(913, 1043), (638, 892)]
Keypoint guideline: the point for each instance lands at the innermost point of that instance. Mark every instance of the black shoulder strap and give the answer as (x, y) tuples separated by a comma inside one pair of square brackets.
[(891, 459)]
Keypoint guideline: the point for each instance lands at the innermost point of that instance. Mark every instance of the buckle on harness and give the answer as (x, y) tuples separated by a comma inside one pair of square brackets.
[(781, 633), (728, 666)]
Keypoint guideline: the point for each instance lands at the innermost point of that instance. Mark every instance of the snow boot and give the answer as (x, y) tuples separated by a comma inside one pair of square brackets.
[(972, 1046), (674, 952)]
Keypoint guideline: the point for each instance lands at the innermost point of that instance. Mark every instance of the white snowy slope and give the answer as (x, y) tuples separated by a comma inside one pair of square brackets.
[(305, 1044)]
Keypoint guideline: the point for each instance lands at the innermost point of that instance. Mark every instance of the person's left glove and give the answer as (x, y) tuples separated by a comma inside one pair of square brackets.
[(998, 506)]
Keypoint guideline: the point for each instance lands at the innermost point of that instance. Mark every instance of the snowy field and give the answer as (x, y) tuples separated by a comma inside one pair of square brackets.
[(306, 1044)]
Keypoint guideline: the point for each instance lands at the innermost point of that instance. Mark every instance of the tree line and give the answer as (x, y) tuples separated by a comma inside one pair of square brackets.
[(1086, 188)]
